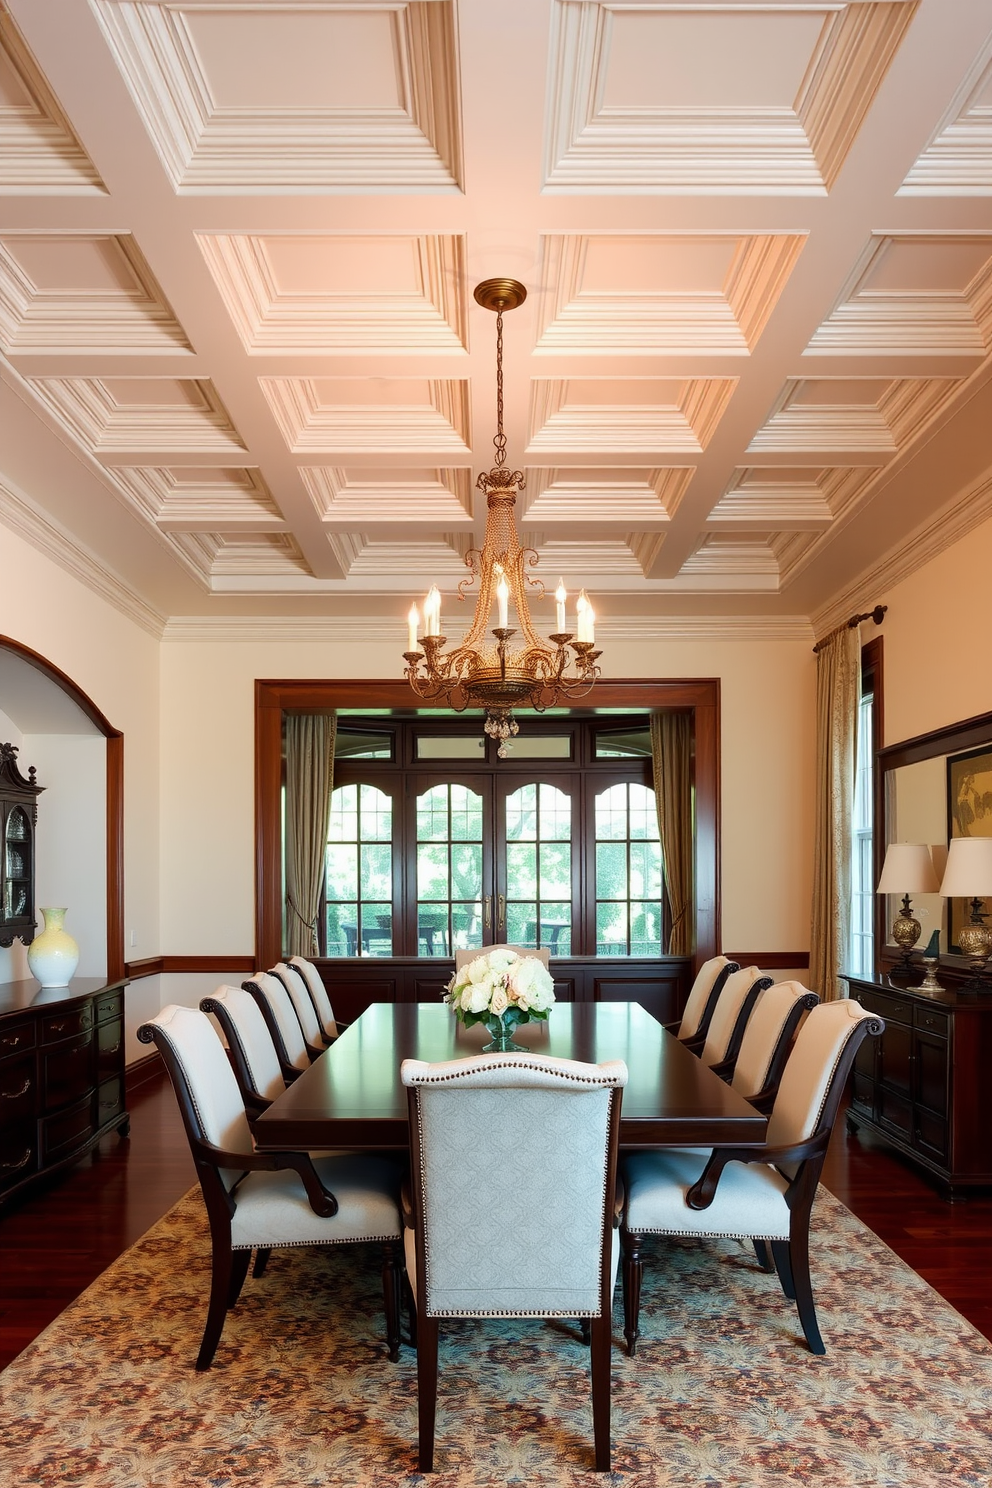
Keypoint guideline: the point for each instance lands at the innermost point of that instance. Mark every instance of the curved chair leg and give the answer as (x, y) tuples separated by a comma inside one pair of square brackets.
[(633, 1271), (426, 1391), (239, 1270), (585, 1330), (600, 1359), (783, 1265), (392, 1282), (411, 1310), (803, 1287), (261, 1261), (220, 1291), (764, 1256)]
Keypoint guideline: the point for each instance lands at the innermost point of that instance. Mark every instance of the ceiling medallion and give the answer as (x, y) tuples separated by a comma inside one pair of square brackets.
[(499, 677)]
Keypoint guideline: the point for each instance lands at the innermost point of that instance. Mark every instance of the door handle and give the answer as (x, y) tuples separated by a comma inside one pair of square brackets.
[(501, 913), (487, 911)]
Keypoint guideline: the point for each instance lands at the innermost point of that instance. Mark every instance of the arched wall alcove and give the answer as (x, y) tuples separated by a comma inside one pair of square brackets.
[(63, 727)]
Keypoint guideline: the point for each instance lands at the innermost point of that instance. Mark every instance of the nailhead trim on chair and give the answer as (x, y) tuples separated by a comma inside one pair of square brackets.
[(544, 1069)]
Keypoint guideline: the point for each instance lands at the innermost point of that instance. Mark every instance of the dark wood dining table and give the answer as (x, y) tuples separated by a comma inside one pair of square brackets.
[(352, 1096)]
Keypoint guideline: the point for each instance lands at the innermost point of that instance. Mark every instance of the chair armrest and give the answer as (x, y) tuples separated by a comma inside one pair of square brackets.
[(322, 1201), (703, 1191), (406, 1206), (725, 1069), (619, 1202)]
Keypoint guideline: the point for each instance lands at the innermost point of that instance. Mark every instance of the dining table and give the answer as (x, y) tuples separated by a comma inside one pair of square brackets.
[(352, 1094)]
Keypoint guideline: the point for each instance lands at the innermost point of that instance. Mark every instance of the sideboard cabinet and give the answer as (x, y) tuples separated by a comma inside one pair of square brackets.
[(923, 1085), (61, 1076)]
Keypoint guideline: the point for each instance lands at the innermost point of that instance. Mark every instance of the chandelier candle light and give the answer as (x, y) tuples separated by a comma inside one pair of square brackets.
[(497, 677)]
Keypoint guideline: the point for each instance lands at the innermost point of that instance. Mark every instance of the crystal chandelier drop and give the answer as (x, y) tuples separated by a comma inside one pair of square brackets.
[(498, 676)]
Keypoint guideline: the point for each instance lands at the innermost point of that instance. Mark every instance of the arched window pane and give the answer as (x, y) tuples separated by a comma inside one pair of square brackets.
[(628, 872), (359, 872), (449, 870), (539, 867)]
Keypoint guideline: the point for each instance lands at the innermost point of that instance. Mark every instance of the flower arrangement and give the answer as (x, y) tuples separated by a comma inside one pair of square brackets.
[(501, 989)]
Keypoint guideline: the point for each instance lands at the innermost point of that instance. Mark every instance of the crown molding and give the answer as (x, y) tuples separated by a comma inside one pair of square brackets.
[(22, 517), (923, 544)]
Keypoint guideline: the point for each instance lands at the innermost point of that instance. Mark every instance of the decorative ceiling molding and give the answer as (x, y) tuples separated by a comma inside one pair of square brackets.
[(359, 498), (632, 498), (311, 424), (578, 414), (186, 499), (39, 152), (134, 416), (607, 135), (915, 551), (728, 561), (398, 133), (267, 285), (718, 309), (914, 294), (368, 557), (82, 291), (892, 412), (237, 562), (62, 547), (763, 499), (958, 160)]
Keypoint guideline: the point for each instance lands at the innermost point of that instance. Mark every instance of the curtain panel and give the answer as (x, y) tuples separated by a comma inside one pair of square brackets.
[(309, 781), (671, 750), (838, 694)]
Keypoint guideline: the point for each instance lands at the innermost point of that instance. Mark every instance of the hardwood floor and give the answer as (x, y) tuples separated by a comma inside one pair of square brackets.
[(55, 1243)]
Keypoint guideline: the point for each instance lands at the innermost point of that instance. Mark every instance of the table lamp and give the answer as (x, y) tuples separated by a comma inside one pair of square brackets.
[(908, 869), (968, 875)]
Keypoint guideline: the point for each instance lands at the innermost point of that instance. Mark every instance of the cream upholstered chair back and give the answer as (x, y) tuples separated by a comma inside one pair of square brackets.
[(731, 1004), (462, 958), (284, 1018), (775, 1017), (699, 994), (299, 996), (529, 1236), (247, 1034), (318, 993), (214, 1106), (806, 1096)]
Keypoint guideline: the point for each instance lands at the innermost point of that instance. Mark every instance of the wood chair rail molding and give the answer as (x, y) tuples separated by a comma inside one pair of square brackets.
[(115, 796), (273, 698)]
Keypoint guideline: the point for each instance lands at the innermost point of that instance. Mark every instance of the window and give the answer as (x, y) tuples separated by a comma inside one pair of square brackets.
[(862, 847), (432, 849)]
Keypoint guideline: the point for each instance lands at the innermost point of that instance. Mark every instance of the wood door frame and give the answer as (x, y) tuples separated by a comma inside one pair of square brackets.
[(274, 697), (115, 796)]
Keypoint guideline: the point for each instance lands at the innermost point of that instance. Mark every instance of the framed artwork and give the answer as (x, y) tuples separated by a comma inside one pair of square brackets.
[(969, 814)]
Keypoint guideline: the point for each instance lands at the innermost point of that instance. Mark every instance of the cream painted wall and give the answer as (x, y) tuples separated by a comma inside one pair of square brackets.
[(115, 663), (936, 640), (207, 777)]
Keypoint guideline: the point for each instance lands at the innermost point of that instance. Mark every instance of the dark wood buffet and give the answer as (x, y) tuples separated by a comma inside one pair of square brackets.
[(923, 1085), (61, 1075)]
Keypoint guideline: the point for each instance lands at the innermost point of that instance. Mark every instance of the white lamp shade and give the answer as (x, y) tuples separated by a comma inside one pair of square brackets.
[(968, 874), (908, 869)]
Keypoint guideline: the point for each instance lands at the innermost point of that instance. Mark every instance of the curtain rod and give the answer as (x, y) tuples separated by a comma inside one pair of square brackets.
[(876, 614)]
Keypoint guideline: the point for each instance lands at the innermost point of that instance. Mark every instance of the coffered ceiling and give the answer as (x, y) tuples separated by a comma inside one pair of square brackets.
[(243, 375)]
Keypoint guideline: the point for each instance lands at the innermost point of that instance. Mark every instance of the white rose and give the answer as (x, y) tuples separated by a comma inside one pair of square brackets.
[(501, 960), (475, 999), (499, 1002), (532, 980)]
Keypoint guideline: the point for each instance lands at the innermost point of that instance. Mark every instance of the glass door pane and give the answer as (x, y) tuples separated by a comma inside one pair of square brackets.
[(628, 872), (450, 879), (359, 869), (538, 881)]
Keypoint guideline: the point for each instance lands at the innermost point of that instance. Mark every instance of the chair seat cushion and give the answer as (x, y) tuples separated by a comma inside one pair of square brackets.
[(273, 1208), (749, 1202)]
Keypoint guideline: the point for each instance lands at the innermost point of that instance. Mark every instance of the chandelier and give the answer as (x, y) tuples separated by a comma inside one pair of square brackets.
[(498, 676)]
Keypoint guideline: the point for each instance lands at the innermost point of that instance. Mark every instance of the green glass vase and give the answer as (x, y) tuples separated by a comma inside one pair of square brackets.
[(501, 1035)]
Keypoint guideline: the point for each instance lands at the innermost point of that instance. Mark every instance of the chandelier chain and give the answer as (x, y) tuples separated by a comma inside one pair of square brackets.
[(500, 439)]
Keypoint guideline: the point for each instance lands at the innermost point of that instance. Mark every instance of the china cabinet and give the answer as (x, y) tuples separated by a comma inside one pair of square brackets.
[(18, 815)]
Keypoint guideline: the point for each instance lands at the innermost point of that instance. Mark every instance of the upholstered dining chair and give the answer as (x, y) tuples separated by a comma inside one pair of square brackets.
[(253, 1054), (528, 1237), (260, 1200), (737, 1001), (283, 1024), (462, 958), (299, 996), (695, 1020), (765, 1193), (330, 1025), (757, 1070)]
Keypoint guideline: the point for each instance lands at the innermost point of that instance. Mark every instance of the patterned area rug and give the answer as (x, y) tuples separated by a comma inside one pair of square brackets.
[(723, 1390)]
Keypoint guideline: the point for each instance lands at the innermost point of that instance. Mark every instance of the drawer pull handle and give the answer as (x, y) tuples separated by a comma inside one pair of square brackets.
[(12, 1041), (113, 1049), (12, 1167), (56, 1027), (13, 1094)]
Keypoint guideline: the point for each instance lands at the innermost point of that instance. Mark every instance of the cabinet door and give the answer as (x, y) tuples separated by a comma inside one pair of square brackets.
[(931, 1069)]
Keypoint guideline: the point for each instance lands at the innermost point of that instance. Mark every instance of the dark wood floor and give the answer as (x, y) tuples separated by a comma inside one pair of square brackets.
[(54, 1244)]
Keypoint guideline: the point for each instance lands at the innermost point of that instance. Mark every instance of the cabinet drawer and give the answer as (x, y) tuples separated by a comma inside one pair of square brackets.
[(62, 1134), (67, 1025), (109, 1101), (892, 1009), (14, 1039), (932, 1019), (19, 1157), (109, 1043), (68, 1073), (17, 1090), (111, 1006)]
